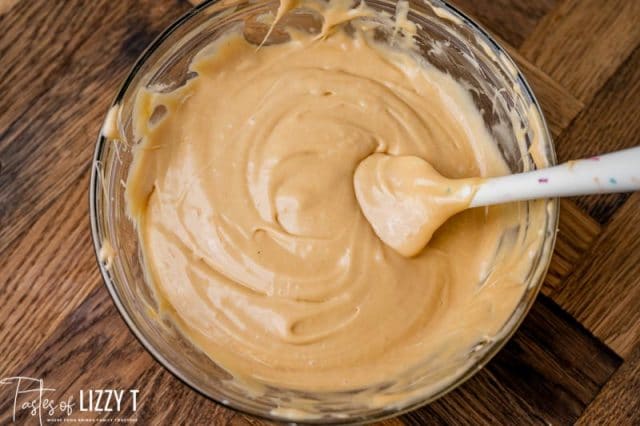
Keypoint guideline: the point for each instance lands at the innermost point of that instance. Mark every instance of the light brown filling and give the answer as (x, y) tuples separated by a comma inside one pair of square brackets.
[(252, 235)]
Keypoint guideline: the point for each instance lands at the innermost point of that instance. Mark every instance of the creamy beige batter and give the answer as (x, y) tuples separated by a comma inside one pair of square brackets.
[(254, 241)]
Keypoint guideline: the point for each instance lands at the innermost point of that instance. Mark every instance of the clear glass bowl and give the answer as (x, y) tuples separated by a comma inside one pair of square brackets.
[(449, 41)]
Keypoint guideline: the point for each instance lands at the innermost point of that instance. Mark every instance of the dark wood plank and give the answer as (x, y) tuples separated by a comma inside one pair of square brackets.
[(603, 293), (546, 374), (56, 90), (576, 232), (610, 122), (619, 401), (512, 20), (49, 273), (45, 160), (44, 47), (581, 43)]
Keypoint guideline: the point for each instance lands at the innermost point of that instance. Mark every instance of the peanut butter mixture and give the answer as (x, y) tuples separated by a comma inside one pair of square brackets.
[(242, 190)]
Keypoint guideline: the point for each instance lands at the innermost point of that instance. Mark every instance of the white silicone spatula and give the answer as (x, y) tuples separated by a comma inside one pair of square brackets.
[(615, 172), (406, 200)]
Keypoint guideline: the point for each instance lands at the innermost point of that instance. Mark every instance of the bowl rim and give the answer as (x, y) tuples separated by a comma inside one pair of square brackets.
[(506, 332)]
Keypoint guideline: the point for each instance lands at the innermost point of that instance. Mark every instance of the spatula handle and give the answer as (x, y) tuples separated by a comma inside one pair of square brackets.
[(615, 172)]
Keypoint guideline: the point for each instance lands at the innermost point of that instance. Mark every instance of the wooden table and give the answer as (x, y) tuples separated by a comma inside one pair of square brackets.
[(575, 358)]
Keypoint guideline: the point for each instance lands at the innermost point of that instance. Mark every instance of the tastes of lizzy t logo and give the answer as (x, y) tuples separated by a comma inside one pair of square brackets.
[(30, 396)]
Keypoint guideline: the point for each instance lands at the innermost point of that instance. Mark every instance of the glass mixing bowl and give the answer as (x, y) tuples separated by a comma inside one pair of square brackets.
[(448, 40)]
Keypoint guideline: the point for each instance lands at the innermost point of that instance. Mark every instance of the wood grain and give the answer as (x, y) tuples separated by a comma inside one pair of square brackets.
[(94, 339), (80, 70), (582, 42), (618, 402), (610, 122), (510, 19), (603, 293), (5, 5), (576, 232), (46, 268), (576, 356)]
